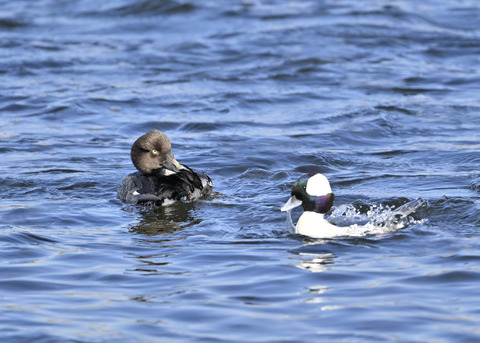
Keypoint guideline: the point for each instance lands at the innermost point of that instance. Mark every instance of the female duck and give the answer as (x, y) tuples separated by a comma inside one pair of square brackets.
[(160, 179)]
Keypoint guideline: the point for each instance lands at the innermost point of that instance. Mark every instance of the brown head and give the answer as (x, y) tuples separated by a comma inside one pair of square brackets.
[(152, 154)]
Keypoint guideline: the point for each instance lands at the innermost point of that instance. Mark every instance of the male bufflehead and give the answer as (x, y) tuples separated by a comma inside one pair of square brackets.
[(160, 179), (314, 193)]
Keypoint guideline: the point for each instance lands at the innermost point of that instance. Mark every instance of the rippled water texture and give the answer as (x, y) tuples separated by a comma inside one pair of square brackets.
[(380, 96)]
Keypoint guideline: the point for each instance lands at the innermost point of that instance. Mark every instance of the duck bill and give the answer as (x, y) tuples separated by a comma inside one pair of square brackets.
[(291, 203), (171, 167)]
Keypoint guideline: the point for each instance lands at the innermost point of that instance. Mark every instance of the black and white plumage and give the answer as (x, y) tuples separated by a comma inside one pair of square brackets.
[(160, 179), (313, 192)]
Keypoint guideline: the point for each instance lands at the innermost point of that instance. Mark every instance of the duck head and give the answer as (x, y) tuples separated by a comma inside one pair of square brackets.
[(313, 192), (152, 154)]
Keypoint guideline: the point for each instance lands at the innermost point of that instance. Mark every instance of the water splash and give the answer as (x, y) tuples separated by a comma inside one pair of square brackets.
[(379, 219)]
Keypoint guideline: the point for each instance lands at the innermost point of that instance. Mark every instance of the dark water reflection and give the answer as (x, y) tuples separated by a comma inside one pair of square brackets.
[(158, 221), (382, 97)]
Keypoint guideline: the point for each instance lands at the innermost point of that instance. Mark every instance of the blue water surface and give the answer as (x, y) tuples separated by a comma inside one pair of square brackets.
[(380, 96)]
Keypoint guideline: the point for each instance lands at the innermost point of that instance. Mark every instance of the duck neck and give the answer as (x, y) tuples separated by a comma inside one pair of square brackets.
[(313, 215)]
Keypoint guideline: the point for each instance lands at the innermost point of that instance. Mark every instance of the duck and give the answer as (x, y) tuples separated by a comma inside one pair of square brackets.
[(160, 180), (313, 192)]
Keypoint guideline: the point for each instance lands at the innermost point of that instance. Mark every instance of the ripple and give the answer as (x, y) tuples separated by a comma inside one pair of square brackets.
[(13, 23), (462, 276), (139, 8), (26, 238)]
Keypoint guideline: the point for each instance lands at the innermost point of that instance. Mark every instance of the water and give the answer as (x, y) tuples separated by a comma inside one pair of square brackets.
[(380, 96)]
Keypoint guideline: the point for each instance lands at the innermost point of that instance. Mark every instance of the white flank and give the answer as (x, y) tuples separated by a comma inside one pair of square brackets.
[(168, 202)]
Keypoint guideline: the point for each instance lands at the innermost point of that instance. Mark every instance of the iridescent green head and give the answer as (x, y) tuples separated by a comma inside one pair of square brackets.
[(313, 192)]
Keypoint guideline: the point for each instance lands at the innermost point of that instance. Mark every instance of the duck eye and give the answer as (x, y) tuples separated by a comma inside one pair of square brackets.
[(155, 152)]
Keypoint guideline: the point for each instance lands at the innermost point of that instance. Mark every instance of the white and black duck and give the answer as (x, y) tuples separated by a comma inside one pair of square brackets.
[(314, 193)]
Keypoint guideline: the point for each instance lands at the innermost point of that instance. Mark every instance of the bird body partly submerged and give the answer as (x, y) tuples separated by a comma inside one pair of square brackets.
[(185, 185), (313, 192), (160, 179)]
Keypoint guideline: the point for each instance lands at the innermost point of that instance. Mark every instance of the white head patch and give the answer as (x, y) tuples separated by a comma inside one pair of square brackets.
[(318, 185)]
